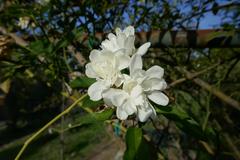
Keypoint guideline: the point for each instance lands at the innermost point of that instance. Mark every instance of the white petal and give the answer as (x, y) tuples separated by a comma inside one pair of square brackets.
[(119, 81), (154, 84), (94, 55), (108, 57), (107, 99), (128, 85), (144, 113), (126, 77), (121, 114), (154, 112), (129, 43), (159, 98), (96, 89), (129, 31), (139, 75), (123, 61), (115, 97), (136, 91), (113, 40), (120, 40), (107, 45), (155, 72), (121, 78), (143, 48), (90, 71), (111, 36), (118, 31), (135, 63), (129, 107)]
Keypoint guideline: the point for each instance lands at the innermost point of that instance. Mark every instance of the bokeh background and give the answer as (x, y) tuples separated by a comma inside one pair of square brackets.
[(196, 42)]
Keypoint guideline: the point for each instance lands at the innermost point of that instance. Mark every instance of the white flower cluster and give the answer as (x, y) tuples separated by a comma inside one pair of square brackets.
[(130, 93)]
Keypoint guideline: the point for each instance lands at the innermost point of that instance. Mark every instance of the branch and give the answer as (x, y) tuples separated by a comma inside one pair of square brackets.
[(193, 75), (21, 42), (29, 140), (81, 60), (209, 10), (232, 102), (232, 146)]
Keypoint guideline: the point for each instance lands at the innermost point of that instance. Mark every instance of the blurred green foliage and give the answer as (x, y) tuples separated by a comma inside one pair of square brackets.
[(196, 124)]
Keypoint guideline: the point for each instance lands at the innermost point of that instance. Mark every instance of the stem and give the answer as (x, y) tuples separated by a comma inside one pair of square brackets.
[(40, 26), (29, 140), (208, 112), (62, 123)]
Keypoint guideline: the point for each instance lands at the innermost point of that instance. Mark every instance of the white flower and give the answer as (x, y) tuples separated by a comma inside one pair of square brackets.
[(124, 40), (23, 22), (137, 87), (105, 66), (128, 101), (151, 81)]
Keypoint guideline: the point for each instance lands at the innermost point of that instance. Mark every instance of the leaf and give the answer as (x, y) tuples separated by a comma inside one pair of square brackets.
[(41, 47), (88, 103), (190, 105), (95, 117), (61, 44), (104, 115), (185, 122), (5, 86), (82, 82), (133, 141), (137, 147)]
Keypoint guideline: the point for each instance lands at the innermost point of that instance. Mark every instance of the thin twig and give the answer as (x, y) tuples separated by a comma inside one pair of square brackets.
[(22, 43), (232, 146), (62, 124), (29, 140), (193, 75), (19, 41)]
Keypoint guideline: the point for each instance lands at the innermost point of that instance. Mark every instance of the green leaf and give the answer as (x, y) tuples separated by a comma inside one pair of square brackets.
[(61, 44), (104, 115), (185, 122), (190, 105), (96, 117), (87, 102), (41, 47), (82, 82), (137, 147), (133, 141)]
